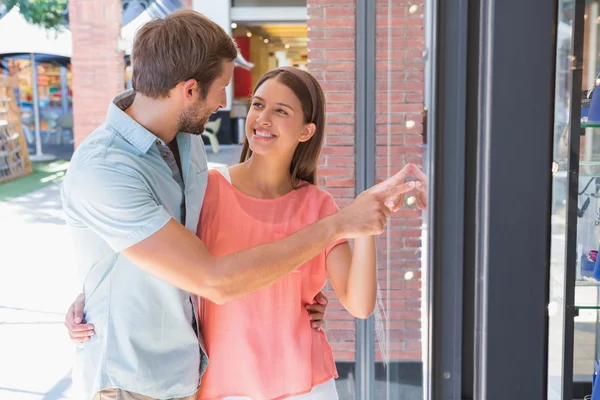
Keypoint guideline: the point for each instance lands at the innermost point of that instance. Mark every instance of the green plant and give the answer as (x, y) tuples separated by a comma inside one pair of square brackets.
[(50, 14)]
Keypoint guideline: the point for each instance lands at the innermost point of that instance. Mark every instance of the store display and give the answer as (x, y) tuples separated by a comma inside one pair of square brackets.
[(14, 157)]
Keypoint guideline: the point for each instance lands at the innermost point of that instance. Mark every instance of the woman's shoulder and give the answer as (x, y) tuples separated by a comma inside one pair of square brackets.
[(314, 190), (219, 171), (320, 198), (214, 184)]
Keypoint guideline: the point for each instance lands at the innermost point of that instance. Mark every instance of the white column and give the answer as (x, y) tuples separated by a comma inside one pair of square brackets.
[(39, 154), (64, 90), (220, 12), (592, 70), (282, 60)]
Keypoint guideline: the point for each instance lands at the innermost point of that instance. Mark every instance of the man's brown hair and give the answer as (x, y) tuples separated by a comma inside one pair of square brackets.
[(184, 45)]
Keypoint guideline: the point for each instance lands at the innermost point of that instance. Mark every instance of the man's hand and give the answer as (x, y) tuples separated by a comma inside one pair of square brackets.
[(316, 311), (78, 331), (369, 212)]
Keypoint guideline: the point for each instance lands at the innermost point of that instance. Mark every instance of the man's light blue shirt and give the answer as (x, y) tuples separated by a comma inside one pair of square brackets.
[(119, 191)]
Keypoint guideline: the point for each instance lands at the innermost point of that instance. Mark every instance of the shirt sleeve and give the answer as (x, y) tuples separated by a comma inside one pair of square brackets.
[(114, 203), (328, 208)]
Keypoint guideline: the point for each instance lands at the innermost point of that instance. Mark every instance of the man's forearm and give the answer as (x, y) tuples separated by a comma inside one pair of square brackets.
[(244, 272)]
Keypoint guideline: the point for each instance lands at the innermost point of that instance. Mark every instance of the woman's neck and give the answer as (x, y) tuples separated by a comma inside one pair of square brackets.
[(259, 177)]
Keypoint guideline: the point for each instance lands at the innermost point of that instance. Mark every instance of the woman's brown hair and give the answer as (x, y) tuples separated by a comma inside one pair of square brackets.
[(306, 157)]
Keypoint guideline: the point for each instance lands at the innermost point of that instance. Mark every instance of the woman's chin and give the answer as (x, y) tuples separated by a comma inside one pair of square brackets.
[(259, 149)]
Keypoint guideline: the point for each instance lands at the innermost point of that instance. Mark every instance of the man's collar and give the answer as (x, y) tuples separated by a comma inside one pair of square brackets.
[(130, 129)]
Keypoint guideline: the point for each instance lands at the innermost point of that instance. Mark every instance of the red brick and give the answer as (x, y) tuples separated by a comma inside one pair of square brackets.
[(339, 86), (315, 34), (413, 54), (333, 66), (338, 107), (347, 22), (340, 161), (339, 34), (387, 97), (313, 3), (415, 76), (340, 55), (340, 129), (340, 12), (398, 10), (315, 12), (338, 193), (316, 55), (344, 356), (412, 345), (414, 33), (339, 76), (340, 325), (340, 119), (319, 76), (401, 42), (390, 53), (337, 345), (413, 139), (340, 182), (333, 44), (339, 150), (335, 172), (415, 98), (340, 140), (95, 27), (400, 66)]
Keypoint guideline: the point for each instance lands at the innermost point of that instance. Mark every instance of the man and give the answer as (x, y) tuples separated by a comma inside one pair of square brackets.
[(132, 198)]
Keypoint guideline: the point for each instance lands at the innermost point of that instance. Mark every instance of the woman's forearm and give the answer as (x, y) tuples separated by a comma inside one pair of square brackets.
[(361, 289)]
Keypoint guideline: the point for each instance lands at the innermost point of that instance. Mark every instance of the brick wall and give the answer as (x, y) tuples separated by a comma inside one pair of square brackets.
[(399, 82), (399, 99), (97, 64)]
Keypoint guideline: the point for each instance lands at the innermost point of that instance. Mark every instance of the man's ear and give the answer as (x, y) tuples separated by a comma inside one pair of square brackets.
[(307, 133), (189, 87)]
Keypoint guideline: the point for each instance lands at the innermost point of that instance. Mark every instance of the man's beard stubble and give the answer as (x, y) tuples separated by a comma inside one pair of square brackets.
[(193, 120)]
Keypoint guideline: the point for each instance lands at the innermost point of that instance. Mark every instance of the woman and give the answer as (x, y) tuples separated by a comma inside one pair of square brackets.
[(262, 346)]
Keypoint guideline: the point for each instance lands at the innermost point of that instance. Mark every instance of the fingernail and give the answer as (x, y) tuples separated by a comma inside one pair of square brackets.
[(419, 184), (77, 320), (389, 204), (411, 184), (314, 325)]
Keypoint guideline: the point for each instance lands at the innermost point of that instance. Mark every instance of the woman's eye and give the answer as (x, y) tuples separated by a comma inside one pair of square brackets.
[(279, 110), (256, 105)]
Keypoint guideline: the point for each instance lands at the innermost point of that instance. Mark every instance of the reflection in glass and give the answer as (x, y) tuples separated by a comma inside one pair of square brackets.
[(400, 347), (559, 201), (585, 350)]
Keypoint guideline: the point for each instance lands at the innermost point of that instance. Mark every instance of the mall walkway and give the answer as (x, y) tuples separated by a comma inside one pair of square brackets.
[(37, 284)]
